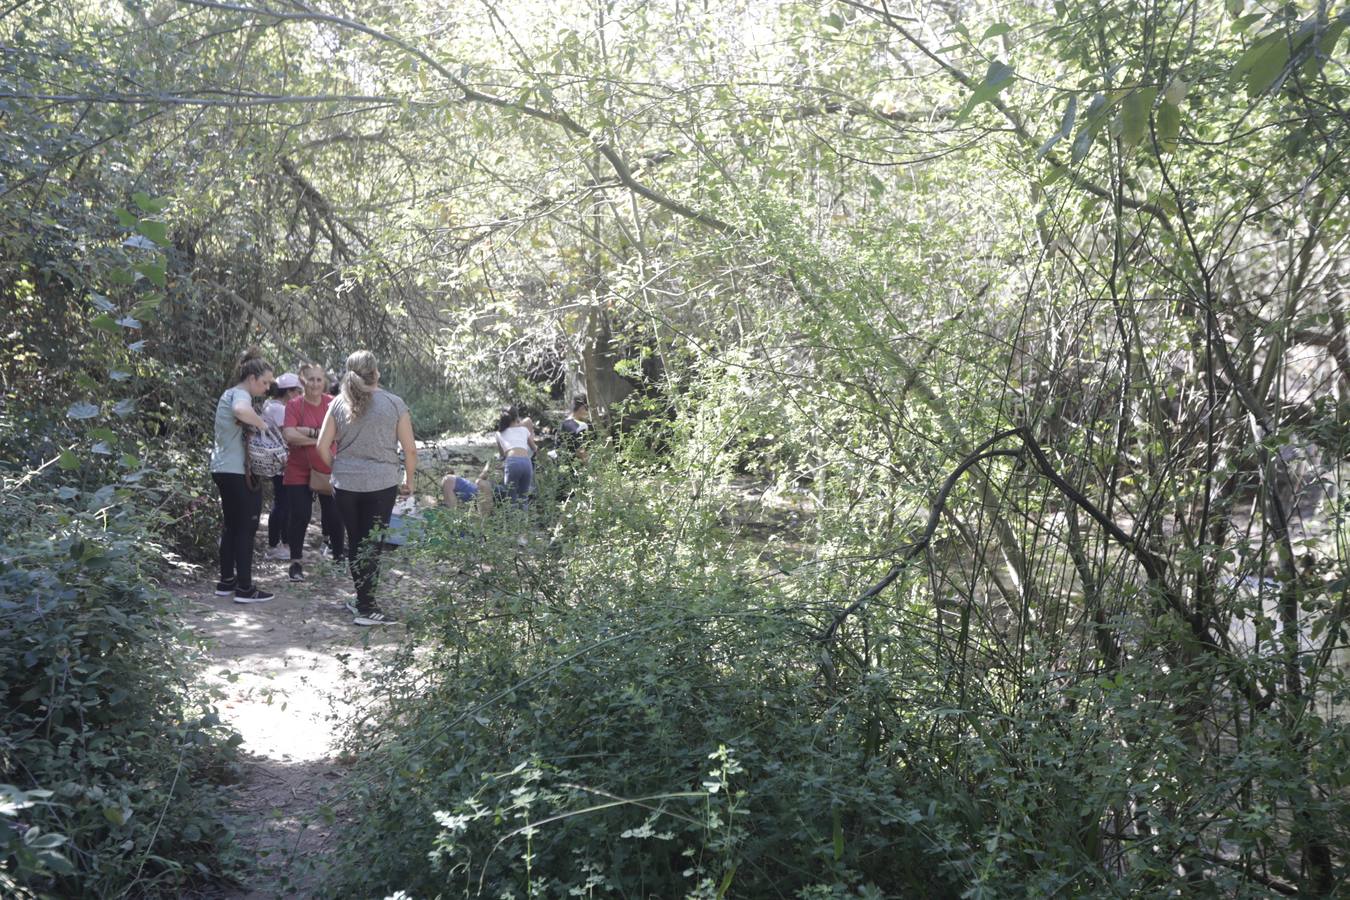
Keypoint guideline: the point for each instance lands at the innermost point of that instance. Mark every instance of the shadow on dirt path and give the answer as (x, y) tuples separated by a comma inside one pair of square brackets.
[(289, 671)]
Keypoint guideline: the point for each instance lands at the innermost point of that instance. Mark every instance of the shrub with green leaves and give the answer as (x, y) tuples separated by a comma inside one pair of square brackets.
[(109, 753), (653, 708), (635, 718)]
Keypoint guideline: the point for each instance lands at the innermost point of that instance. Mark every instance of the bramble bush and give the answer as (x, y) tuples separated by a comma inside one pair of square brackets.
[(110, 753), (634, 717), (648, 708)]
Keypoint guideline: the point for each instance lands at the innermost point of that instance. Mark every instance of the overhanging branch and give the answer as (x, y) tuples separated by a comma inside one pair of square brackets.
[(1155, 568)]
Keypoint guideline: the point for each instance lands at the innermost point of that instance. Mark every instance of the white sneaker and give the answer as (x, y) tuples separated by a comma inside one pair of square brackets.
[(280, 551), (374, 618)]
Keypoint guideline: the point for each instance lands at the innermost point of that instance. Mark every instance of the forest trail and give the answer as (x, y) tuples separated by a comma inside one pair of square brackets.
[(289, 672)]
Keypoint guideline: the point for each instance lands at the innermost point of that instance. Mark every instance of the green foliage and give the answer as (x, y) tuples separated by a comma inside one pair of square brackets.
[(108, 752), (634, 718), (437, 412)]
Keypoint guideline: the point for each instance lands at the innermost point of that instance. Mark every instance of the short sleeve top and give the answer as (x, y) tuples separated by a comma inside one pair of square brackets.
[(572, 433), (274, 411), (300, 413), (367, 457), (227, 448)]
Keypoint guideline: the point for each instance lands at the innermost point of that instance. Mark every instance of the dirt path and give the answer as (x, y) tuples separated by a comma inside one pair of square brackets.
[(286, 669), (289, 672)]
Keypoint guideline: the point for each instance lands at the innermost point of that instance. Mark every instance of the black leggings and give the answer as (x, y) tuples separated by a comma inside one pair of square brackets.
[(361, 511), (276, 519), (300, 509), (240, 509)]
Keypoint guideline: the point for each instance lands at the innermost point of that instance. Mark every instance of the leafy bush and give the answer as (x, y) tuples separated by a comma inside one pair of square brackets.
[(436, 411), (108, 751), (652, 713), (637, 719)]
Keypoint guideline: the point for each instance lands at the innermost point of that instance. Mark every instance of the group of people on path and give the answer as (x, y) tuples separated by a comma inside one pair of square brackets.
[(351, 440), (344, 447)]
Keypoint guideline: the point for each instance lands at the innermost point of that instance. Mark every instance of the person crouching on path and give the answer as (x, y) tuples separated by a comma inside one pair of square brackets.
[(304, 418), (240, 505), (274, 411), (456, 490), (368, 425)]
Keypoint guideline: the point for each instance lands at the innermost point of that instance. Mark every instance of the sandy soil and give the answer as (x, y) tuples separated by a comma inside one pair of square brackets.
[(289, 671)]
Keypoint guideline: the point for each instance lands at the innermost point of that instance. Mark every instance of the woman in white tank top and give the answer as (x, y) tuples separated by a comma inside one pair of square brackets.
[(515, 440)]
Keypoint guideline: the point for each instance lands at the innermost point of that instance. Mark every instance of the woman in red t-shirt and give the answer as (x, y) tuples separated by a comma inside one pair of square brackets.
[(304, 418)]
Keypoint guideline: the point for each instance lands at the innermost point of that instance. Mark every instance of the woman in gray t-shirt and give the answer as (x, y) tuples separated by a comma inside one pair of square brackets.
[(240, 505), (368, 425)]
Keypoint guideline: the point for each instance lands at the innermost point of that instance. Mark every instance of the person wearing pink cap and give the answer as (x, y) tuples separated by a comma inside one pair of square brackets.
[(282, 390)]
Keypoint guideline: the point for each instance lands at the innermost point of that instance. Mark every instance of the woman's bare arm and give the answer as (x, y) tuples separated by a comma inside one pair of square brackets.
[(405, 439), (324, 444)]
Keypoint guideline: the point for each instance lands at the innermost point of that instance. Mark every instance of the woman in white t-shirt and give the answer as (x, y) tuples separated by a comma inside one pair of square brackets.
[(279, 394)]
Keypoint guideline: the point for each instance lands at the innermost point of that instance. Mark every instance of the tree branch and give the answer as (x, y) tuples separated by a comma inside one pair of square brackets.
[(473, 95), (1015, 120), (1155, 568)]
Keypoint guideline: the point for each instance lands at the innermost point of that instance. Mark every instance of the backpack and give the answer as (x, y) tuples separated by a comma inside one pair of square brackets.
[(267, 452)]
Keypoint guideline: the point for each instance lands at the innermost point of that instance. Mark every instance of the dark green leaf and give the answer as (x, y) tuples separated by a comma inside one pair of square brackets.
[(996, 78), (1168, 127), (153, 271), (838, 836), (155, 231), (105, 322), (1267, 67), (1081, 145), (1134, 114), (149, 204)]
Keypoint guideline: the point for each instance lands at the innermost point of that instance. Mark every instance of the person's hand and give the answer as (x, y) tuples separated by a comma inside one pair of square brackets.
[(405, 489)]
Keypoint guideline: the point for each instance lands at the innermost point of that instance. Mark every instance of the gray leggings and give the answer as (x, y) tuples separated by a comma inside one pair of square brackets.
[(519, 478)]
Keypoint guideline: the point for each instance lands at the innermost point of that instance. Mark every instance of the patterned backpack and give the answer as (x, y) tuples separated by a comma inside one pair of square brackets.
[(267, 452)]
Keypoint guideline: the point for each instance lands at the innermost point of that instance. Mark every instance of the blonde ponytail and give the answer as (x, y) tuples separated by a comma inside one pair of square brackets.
[(358, 385)]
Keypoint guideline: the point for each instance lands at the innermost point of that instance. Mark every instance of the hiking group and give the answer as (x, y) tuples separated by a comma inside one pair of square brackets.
[(351, 446)]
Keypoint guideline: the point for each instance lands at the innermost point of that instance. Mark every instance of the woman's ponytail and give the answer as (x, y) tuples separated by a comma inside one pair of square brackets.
[(251, 364), (358, 385)]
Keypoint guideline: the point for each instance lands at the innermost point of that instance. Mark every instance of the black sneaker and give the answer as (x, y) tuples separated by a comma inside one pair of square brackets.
[(297, 572), (254, 594), (225, 588), (375, 617)]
